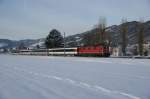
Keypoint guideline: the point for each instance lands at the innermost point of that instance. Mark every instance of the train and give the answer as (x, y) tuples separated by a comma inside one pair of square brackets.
[(100, 51)]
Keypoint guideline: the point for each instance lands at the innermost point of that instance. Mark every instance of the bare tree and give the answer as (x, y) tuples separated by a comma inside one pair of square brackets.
[(98, 35), (101, 30), (141, 37), (124, 30)]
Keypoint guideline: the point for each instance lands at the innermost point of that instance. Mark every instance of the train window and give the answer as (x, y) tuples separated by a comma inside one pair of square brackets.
[(91, 48), (82, 48), (86, 48), (61, 50), (58, 50)]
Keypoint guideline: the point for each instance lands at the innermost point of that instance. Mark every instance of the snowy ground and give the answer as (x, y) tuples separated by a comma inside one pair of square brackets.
[(42, 77)]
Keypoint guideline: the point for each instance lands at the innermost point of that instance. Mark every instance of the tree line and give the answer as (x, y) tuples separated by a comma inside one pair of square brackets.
[(139, 36)]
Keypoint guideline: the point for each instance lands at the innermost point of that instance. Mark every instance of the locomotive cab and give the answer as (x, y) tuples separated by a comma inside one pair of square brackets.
[(99, 50)]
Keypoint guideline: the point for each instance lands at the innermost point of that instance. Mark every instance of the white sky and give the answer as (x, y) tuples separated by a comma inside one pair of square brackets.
[(23, 19)]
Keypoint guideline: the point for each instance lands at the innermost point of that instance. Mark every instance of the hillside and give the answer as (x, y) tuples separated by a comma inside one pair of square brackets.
[(5, 43), (114, 32)]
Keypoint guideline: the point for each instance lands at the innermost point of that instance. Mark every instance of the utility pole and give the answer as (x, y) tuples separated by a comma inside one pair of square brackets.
[(64, 44)]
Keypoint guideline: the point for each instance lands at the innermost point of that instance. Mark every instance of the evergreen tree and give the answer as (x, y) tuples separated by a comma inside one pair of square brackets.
[(54, 39), (38, 46), (21, 46)]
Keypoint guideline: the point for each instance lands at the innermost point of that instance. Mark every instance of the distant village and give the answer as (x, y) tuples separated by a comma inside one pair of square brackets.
[(131, 50)]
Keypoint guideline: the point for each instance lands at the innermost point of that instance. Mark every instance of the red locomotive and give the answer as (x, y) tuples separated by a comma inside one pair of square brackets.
[(99, 50)]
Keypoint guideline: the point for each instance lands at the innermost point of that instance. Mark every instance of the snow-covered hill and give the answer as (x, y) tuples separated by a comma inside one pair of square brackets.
[(3, 45), (114, 32), (40, 44)]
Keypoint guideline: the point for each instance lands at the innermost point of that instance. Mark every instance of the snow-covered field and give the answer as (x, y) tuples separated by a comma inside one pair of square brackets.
[(43, 77)]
